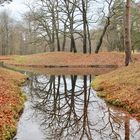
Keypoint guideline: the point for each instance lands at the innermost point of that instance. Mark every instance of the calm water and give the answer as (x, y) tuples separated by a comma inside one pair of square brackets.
[(66, 108)]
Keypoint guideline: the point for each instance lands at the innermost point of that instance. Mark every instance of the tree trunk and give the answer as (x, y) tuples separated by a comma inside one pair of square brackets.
[(57, 27), (73, 45), (127, 34), (102, 35), (89, 39), (84, 27)]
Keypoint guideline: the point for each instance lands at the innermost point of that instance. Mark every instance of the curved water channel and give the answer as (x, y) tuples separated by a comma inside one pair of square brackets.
[(65, 107)]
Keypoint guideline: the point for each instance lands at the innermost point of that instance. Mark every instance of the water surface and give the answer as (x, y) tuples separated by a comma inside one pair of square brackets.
[(65, 107)]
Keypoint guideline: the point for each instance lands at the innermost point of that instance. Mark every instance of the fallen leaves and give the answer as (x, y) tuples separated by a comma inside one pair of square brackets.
[(70, 59), (120, 87), (11, 102)]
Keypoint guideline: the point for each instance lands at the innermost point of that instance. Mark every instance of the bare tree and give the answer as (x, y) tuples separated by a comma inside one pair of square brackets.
[(107, 23), (69, 12), (63, 23), (78, 22)]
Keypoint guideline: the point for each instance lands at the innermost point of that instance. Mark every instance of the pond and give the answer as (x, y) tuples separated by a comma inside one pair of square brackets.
[(65, 107)]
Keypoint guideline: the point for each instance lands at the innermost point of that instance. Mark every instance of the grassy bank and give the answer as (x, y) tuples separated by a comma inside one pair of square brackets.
[(121, 88), (68, 59), (11, 102)]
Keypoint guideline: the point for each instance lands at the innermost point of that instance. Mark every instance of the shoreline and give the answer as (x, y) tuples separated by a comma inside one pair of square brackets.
[(121, 88), (11, 102)]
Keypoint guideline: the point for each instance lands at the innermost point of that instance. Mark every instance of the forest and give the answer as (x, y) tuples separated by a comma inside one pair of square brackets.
[(69, 26)]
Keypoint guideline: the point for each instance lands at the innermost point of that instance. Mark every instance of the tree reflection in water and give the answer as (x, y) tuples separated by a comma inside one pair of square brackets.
[(68, 109)]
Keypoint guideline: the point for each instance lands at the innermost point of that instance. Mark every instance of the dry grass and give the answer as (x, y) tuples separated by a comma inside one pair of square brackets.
[(66, 58), (121, 87)]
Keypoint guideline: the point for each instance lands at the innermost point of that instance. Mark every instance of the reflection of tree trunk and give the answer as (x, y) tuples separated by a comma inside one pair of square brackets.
[(58, 87), (72, 99), (63, 110), (127, 129), (73, 82), (65, 84), (51, 81), (86, 127), (56, 96), (85, 101)]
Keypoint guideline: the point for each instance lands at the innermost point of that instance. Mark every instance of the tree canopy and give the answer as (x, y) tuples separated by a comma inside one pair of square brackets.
[(3, 1)]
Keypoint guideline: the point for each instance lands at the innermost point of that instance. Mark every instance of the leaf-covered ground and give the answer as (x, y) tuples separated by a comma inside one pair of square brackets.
[(70, 59), (11, 102), (121, 88)]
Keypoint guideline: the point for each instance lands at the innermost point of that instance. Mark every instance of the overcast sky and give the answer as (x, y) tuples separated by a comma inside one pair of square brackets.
[(17, 7)]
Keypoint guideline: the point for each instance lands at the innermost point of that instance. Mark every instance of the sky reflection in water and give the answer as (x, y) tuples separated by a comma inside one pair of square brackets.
[(66, 108)]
